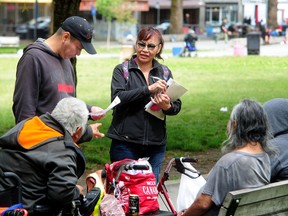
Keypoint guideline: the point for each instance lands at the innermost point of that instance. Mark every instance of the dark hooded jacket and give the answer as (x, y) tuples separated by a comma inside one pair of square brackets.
[(43, 78), (43, 154), (277, 111), (131, 123)]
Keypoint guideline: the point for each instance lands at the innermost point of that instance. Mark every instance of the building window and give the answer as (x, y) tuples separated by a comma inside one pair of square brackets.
[(215, 13)]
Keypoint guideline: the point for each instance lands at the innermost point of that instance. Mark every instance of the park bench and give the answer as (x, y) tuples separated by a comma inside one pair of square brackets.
[(271, 199), (10, 41)]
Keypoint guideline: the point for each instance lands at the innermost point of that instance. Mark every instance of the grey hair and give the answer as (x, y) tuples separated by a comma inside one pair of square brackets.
[(248, 123), (72, 113)]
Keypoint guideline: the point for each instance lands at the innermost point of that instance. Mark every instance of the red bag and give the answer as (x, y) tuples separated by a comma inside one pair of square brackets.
[(140, 182)]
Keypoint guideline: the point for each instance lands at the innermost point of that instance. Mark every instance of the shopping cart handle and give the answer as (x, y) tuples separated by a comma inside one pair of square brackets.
[(186, 159), (136, 167), (180, 167)]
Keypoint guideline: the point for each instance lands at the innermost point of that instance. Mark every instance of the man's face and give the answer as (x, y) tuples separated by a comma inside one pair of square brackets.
[(71, 47)]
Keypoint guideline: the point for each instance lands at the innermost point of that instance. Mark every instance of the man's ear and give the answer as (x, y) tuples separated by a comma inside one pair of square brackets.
[(77, 135), (65, 36)]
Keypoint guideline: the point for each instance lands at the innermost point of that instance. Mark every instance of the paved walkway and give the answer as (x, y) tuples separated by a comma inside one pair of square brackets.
[(209, 48), (206, 48)]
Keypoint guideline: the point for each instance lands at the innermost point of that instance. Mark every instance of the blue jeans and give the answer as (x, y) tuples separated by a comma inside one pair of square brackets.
[(120, 150)]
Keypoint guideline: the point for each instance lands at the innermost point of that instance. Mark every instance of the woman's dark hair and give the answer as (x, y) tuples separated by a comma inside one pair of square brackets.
[(146, 33), (248, 123)]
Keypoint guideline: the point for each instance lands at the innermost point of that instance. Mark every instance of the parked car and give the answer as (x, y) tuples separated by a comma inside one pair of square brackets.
[(26, 30)]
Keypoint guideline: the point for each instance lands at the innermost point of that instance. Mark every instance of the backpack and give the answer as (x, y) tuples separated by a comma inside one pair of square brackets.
[(126, 71)]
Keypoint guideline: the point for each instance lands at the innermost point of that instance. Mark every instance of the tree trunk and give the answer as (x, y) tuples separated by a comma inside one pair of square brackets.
[(272, 14), (60, 10), (109, 23), (176, 17)]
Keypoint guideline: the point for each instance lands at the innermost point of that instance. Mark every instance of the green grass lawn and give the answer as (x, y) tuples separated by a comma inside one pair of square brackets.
[(212, 83)]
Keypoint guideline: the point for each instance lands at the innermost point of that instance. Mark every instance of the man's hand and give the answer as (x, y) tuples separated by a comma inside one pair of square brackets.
[(96, 132), (96, 113), (80, 188)]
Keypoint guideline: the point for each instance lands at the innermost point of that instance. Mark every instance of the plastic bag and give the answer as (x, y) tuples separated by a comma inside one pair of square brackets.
[(189, 187), (110, 206)]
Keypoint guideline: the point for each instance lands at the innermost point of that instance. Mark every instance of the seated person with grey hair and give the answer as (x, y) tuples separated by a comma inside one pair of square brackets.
[(43, 152), (246, 163)]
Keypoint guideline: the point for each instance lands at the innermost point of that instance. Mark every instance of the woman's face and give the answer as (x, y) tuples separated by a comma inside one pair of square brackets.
[(147, 50)]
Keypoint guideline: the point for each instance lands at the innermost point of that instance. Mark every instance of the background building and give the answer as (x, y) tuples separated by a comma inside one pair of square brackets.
[(205, 16)]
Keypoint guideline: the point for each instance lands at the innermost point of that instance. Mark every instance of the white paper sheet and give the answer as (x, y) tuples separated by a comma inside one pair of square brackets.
[(115, 102)]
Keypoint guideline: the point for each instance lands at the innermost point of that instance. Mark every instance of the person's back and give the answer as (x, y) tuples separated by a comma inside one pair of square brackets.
[(232, 173), (277, 112), (42, 152)]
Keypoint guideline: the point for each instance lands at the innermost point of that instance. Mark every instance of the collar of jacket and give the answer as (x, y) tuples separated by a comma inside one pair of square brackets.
[(133, 64)]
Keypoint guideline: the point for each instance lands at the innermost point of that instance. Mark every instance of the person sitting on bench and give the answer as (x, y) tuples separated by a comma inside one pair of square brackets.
[(246, 163), (277, 112), (43, 152)]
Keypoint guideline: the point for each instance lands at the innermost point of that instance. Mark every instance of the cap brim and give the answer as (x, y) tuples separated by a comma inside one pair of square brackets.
[(88, 47)]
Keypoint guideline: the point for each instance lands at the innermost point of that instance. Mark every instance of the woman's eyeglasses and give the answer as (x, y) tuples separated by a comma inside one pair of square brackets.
[(150, 47)]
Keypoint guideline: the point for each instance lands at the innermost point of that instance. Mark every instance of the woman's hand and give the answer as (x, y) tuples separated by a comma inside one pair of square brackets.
[(162, 100), (159, 86)]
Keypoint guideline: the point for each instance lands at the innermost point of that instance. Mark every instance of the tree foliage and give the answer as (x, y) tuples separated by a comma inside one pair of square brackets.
[(121, 10)]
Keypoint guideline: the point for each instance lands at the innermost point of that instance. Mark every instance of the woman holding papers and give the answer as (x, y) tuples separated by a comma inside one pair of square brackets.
[(137, 130)]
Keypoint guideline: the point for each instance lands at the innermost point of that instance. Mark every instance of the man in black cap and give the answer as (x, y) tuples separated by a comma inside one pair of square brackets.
[(45, 74)]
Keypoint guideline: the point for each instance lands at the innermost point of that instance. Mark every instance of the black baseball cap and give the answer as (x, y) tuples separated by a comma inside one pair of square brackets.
[(80, 29)]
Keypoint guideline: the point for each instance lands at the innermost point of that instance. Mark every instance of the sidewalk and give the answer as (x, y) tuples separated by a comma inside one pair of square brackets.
[(209, 48), (206, 47)]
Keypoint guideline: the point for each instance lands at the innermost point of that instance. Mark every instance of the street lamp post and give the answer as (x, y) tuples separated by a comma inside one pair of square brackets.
[(158, 12)]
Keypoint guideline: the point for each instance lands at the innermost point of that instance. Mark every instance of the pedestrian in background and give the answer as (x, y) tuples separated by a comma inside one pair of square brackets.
[(224, 29)]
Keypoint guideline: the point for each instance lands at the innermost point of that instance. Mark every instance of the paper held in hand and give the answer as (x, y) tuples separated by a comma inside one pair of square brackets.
[(174, 91), (115, 102)]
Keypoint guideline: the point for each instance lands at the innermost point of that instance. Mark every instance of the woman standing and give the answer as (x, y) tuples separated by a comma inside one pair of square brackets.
[(136, 133)]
